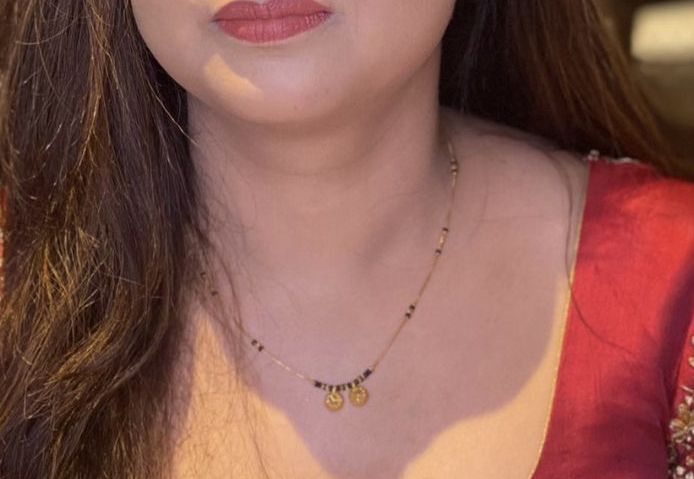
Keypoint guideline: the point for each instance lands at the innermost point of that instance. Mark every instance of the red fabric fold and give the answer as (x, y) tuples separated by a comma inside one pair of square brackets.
[(631, 314)]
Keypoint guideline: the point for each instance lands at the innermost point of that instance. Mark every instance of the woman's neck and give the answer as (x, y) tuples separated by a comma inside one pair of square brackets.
[(331, 194)]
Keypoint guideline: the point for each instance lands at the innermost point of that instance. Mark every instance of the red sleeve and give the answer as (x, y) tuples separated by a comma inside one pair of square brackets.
[(656, 263), (640, 252), (658, 268), (627, 336)]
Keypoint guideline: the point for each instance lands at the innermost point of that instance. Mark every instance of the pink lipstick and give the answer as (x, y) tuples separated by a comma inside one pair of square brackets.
[(270, 21)]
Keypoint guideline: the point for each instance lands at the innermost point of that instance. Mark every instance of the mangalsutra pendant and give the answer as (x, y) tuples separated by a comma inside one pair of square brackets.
[(358, 395), (334, 401)]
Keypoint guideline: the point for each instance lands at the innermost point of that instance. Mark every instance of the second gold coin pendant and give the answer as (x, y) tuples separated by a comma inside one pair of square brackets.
[(358, 395)]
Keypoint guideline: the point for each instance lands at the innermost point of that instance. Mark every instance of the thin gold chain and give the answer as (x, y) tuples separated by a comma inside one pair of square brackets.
[(358, 393)]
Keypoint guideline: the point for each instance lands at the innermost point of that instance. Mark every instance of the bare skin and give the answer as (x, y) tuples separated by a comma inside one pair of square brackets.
[(474, 368), (321, 167)]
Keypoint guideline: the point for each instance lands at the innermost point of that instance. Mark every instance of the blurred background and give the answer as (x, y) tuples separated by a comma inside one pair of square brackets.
[(658, 37)]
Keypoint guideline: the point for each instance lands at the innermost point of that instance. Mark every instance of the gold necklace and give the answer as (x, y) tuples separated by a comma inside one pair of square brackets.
[(358, 394)]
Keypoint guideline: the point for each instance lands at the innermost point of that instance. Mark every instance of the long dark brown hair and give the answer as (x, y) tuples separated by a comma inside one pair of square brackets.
[(103, 210)]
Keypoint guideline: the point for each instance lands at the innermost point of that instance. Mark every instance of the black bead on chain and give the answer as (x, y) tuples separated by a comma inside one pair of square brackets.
[(344, 386), (358, 395), (257, 345)]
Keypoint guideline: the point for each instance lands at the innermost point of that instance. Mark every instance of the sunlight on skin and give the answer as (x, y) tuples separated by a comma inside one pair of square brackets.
[(220, 70), (210, 380), (461, 440), (283, 445)]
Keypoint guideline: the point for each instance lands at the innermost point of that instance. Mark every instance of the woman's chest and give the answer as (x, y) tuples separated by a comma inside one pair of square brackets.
[(453, 394), (466, 388)]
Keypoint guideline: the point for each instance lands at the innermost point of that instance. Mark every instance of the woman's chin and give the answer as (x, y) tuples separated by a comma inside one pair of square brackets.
[(275, 107)]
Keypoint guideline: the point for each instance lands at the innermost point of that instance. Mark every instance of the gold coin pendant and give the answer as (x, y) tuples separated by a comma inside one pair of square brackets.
[(358, 395), (334, 401)]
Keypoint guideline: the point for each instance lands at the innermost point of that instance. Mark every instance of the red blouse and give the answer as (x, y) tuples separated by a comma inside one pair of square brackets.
[(622, 406)]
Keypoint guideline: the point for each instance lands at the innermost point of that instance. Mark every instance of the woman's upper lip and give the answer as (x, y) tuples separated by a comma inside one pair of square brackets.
[(248, 10)]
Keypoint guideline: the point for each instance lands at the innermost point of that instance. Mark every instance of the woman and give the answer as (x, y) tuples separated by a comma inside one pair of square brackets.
[(221, 218)]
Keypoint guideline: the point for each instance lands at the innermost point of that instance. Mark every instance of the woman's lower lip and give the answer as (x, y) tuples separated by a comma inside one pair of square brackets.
[(271, 29)]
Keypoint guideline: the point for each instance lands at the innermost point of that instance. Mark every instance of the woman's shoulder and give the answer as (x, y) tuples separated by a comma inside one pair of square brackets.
[(628, 364), (636, 243), (625, 186)]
